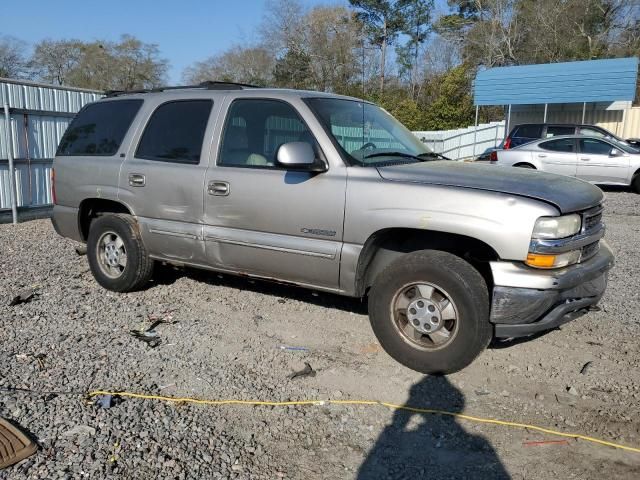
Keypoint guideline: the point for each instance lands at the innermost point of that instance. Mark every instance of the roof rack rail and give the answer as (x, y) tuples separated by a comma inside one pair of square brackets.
[(208, 85)]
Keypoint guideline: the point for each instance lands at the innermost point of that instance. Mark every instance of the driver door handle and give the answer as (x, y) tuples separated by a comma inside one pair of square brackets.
[(585, 158), (219, 188)]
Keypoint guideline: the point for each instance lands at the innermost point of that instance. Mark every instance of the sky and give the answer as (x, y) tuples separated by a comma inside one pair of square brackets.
[(186, 31)]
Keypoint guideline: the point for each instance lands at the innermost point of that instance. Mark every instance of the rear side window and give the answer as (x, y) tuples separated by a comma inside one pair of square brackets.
[(594, 147), (554, 131), (592, 132), (528, 131), (99, 128), (567, 145), (175, 132)]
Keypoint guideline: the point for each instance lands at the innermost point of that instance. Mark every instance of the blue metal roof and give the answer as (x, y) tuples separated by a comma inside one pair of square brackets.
[(569, 82)]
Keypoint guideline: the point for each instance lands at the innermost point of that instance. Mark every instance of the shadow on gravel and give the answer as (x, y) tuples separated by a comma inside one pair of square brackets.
[(418, 445), (499, 344), (165, 275)]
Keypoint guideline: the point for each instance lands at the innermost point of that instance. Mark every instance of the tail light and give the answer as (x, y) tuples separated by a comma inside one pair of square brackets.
[(507, 143), (493, 156), (53, 186)]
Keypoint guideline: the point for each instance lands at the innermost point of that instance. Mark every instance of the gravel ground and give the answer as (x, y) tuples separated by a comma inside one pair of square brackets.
[(223, 341)]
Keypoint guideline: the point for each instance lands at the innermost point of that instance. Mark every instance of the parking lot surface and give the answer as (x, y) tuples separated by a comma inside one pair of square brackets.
[(231, 338)]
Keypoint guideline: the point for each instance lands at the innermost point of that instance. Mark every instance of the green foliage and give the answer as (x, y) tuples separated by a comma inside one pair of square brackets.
[(293, 70), (451, 105)]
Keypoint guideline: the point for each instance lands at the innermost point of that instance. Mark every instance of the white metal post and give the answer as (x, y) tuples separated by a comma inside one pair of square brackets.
[(544, 120), (584, 110), (624, 122), (475, 132), (508, 129), (12, 173)]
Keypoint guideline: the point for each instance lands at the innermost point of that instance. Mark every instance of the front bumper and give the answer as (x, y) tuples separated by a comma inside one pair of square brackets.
[(526, 301)]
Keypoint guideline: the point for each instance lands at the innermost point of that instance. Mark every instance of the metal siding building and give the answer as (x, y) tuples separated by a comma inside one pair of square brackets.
[(39, 115), (590, 81), (599, 92)]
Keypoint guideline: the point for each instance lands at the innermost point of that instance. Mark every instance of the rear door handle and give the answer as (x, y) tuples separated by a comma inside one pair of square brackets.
[(586, 159), (137, 180), (219, 188), (542, 155)]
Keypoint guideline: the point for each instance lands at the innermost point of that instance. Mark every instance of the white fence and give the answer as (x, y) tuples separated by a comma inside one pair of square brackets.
[(464, 143)]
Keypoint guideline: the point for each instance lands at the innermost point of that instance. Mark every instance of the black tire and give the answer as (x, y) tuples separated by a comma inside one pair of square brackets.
[(635, 183), (525, 165), (139, 267), (465, 287)]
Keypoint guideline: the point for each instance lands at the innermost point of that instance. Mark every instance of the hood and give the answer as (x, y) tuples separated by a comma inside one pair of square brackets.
[(568, 194)]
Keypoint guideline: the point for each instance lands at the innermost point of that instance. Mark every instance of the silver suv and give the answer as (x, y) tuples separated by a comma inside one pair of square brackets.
[(330, 193)]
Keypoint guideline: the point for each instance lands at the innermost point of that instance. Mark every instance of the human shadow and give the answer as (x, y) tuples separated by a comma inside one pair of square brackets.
[(431, 446)]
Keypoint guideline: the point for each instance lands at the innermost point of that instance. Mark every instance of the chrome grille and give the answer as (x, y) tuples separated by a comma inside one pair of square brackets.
[(591, 219)]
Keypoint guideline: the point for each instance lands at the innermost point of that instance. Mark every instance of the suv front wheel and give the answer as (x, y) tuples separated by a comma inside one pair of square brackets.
[(117, 257), (430, 311)]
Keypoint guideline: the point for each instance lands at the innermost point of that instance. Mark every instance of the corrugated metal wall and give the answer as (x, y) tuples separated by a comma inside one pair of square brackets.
[(612, 120), (40, 114)]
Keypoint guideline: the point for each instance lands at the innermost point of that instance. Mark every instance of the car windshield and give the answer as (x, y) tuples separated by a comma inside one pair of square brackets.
[(624, 146), (367, 134)]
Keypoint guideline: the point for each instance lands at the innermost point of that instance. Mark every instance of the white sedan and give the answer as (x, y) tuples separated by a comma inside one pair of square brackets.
[(596, 160)]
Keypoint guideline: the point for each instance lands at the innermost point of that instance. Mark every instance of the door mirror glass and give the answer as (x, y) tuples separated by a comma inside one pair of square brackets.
[(299, 156)]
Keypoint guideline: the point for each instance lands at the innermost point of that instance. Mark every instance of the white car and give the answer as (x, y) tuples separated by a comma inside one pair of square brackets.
[(596, 160)]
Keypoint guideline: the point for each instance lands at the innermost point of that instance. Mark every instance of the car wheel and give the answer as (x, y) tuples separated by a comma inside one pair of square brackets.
[(525, 165), (117, 257), (635, 183), (430, 311)]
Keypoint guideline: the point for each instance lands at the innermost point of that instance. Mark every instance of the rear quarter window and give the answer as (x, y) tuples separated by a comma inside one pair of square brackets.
[(528, 131), (556, 130), (99, 128)]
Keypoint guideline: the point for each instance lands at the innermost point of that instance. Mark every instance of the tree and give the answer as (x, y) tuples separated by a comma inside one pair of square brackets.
[(252, 65), (138, 64), (13, 58), (383, 22), (417, 20), (451, 102), (125, 65), (331, 41), (54, 60), (293, 70)]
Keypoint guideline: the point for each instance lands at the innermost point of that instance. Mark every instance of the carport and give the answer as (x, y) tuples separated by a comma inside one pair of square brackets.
[(604, 89)]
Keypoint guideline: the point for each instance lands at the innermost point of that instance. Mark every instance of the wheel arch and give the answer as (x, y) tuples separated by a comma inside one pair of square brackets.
[(525, 164), (90, 208), (385, 246)]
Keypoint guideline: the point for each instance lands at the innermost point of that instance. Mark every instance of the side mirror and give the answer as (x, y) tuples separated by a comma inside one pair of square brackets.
[(615, 152), (299, 156)]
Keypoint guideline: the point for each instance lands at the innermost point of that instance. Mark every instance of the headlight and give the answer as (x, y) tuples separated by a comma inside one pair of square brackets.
[(557, 227)]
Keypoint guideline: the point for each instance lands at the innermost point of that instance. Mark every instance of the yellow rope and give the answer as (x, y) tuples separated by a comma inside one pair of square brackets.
[(368, 402)]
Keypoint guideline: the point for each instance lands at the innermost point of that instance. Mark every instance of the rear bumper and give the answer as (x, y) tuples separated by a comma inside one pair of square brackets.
[(527, 301), (65, 222)]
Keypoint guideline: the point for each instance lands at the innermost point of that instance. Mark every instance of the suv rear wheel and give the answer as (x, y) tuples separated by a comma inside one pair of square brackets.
[(430, 311), (117, 257)]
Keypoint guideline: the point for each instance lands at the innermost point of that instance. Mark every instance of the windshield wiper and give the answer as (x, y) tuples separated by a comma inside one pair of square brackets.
[(433, 155), (394, 154)]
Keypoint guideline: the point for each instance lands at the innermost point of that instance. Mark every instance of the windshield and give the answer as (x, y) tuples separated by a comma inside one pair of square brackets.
[(624, 146), (368, 135)]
